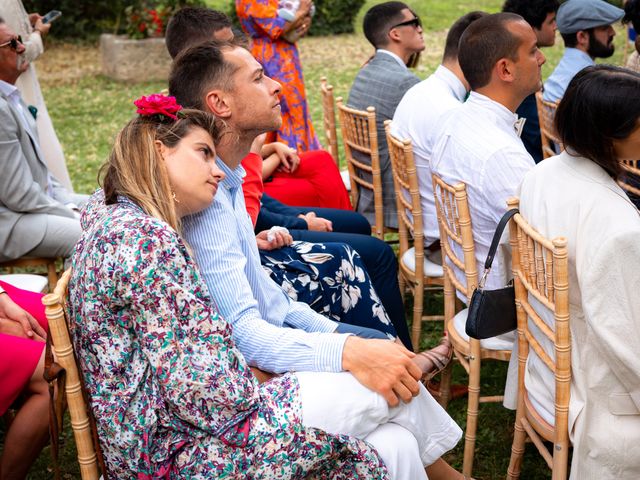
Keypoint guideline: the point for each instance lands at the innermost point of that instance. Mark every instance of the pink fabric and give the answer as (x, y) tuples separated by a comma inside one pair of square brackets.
[(19, 357)]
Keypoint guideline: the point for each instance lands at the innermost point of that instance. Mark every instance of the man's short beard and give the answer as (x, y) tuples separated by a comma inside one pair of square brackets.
[(597, 49)]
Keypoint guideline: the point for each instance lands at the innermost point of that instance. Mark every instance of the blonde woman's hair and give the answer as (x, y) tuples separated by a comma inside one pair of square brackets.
[(135, 168)]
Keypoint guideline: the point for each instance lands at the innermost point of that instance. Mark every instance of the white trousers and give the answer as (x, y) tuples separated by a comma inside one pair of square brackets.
[(407, 437)]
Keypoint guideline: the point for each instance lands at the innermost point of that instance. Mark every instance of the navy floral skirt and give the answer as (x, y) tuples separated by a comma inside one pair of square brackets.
[(331, 279)]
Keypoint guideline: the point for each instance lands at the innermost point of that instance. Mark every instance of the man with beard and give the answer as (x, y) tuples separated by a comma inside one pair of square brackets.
[(585, 26)]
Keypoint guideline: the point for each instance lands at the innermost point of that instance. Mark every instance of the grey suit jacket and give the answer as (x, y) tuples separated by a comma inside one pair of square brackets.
[(24, 181), (381, 83)]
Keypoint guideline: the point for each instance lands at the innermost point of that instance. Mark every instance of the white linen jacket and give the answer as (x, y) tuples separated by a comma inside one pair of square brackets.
[(574, 197)]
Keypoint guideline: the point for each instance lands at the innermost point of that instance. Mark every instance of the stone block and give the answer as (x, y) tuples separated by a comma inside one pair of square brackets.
[(133, 60)]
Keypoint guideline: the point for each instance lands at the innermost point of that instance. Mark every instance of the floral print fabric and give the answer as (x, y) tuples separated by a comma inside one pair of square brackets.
[(172, 395), (281, 61), (331, 279)]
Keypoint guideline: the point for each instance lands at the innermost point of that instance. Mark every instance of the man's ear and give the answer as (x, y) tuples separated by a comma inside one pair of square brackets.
[(504, 69), (393, 35), (217, 102), (583, 38)]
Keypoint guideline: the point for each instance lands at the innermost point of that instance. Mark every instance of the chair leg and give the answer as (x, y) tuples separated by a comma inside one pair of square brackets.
[(52, 275), (472, 415), (416, 327), (403, 286), (445, 386), (517, 448)]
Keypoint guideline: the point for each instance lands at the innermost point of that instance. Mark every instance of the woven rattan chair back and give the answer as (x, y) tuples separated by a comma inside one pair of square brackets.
[(329, 119), (630, 179), (76, 398), (410, 231), (542, 290), (458, 253), (546, 116), (359, 134)]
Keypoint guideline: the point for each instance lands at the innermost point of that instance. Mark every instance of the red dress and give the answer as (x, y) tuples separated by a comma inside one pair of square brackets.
[(19, 357), (316, 183)]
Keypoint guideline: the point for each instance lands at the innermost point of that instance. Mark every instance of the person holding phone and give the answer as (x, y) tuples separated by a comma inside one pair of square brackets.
[(32, 29)]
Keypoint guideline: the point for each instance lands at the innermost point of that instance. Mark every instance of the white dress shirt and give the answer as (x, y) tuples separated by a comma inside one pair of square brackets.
[(417, 117), (272, 331), (393, 55), (478, 144)]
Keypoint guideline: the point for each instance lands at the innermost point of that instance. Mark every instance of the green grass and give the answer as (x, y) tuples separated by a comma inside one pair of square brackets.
[(89, 109)]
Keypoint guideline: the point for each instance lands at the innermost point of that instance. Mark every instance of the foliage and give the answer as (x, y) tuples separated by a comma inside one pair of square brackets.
[(144, 19), (335, 16), (84, 19)]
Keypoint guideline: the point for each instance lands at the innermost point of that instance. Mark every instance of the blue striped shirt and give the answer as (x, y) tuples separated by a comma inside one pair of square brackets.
[(273, 332)]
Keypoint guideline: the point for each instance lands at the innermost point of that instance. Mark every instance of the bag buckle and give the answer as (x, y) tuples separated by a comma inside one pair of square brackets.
[(483, 279)]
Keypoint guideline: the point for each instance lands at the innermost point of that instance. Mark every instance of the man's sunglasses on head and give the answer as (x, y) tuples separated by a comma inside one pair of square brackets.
[(414, 22), (13, 43)]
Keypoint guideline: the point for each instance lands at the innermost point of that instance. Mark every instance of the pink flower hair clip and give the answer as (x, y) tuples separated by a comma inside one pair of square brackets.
[(158, 104)]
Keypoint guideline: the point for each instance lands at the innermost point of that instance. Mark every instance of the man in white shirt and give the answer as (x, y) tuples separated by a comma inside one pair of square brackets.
[(479, 142), (419, 113), (396, 33)]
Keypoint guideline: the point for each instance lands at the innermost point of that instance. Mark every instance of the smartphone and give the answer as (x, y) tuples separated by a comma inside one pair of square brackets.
[(51, 16)]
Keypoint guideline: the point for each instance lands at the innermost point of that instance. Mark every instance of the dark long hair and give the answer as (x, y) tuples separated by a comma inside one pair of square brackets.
[(601, 104)]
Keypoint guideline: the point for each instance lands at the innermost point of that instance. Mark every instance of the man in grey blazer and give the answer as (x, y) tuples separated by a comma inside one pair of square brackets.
[(396, 33), (38, 216)]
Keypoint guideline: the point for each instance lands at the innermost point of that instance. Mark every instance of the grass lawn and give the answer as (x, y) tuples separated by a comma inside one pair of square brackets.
[(88, 110)]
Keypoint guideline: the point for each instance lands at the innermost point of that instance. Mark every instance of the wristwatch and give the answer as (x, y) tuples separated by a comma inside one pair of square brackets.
[(2, 290)]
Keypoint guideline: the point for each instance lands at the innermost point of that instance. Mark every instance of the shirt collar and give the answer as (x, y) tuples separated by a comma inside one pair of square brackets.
[(506, 118), (233, 178), (7, 89), (578, 56), (453, 82), (396, 57)]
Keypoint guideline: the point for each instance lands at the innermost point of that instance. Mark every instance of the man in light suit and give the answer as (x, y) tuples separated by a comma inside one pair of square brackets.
[(396, 33), (37, 216)]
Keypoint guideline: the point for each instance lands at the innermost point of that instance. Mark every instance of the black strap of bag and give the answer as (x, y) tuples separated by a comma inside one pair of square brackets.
[(496, 240), (492, 312)]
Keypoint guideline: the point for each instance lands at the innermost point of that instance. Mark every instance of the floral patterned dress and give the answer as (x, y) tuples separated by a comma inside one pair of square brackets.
[(172, 395), (281, 61)]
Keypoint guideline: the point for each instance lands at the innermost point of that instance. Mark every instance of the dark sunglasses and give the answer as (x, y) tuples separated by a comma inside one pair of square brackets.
[(13, 43), (414, 22)]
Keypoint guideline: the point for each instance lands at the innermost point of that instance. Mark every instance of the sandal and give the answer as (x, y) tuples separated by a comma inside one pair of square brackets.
[(438, 361)]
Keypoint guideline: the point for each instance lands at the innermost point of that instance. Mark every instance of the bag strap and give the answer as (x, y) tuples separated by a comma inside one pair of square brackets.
[(496, 240)]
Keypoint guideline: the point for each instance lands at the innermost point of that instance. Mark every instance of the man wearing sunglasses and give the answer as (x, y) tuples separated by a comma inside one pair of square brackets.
[(396, 33), (37, 216)]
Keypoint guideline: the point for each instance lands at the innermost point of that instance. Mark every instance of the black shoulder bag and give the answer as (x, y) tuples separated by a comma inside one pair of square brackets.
[(492, 312)]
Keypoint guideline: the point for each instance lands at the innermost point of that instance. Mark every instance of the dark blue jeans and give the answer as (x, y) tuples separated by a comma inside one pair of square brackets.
[(379, 260)]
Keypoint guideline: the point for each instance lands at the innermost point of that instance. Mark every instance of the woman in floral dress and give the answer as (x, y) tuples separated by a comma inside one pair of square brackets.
[(172, 395)]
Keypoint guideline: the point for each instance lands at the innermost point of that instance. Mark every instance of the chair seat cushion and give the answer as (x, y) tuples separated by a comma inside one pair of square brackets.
[(344, 174), (501, 342), (25, 281), (430, 269)]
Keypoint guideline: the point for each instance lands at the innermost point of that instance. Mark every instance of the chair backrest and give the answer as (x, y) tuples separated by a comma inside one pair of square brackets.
[(456, 240), (63, 348), (546, 115), (329, 119), (405, 180), (49, 264), (359, 134), (540, 269), (630, 181)]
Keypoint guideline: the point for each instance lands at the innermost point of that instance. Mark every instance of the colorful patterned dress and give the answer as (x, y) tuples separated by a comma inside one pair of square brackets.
[(172, 395), (281, 61)]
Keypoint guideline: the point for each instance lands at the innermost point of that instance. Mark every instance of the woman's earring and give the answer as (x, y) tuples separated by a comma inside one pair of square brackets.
[(173, 195)]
